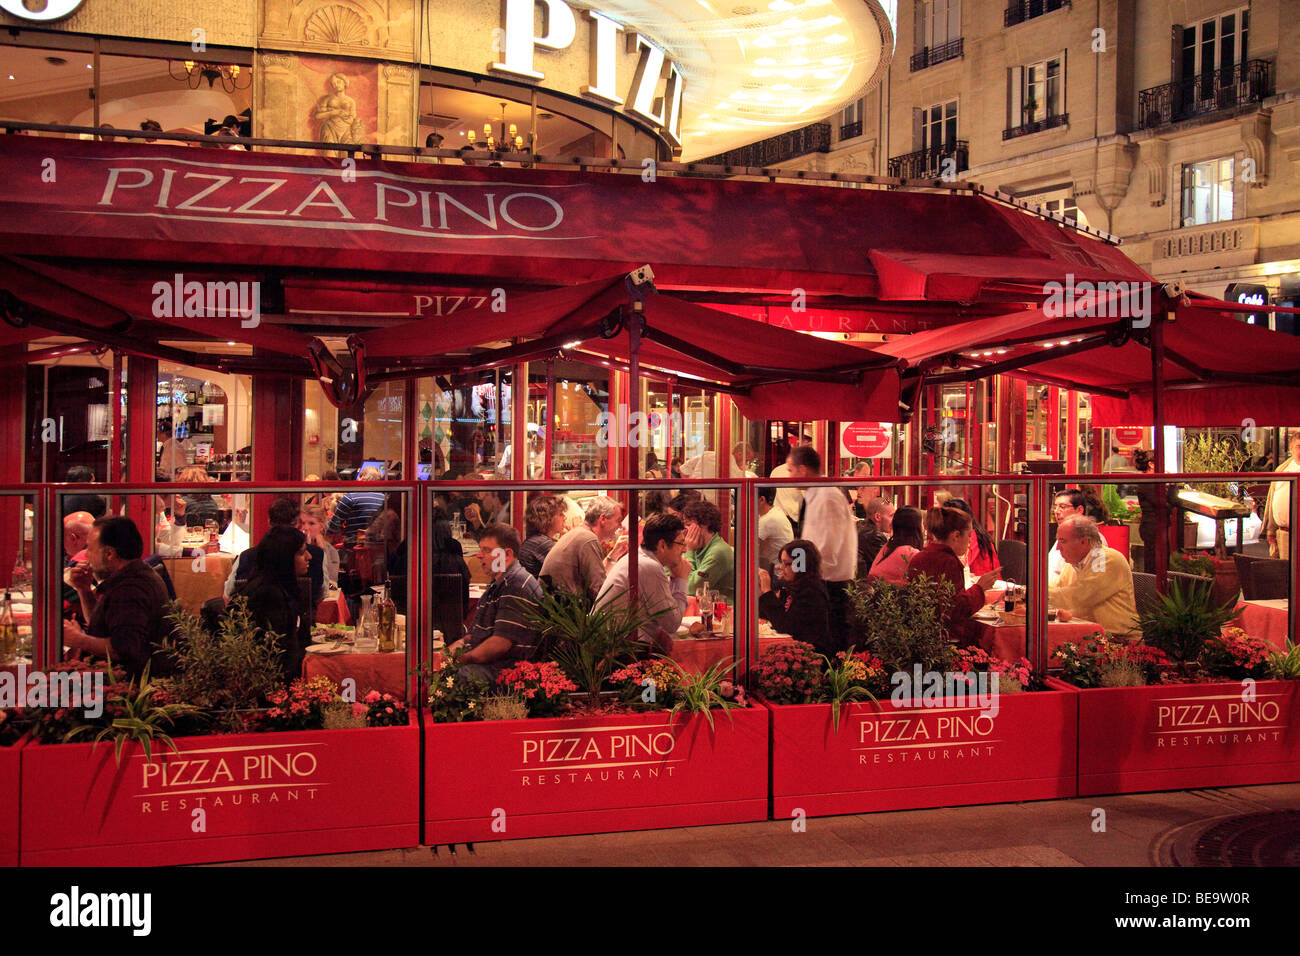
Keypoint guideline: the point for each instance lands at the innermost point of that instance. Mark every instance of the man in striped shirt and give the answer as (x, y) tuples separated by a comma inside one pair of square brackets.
[(500, 634), (357, 509)]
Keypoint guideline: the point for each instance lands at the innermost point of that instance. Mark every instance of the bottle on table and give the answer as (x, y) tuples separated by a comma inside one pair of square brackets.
[(8, 631), (387, 615)]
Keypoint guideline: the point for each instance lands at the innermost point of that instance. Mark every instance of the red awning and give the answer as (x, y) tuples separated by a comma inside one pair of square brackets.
[(774, 373), (1217, 370)]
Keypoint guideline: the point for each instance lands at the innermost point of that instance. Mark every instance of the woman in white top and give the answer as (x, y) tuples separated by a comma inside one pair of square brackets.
[(891, 560)]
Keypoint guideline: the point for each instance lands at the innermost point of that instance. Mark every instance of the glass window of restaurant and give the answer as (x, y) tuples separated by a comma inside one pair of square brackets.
[(69, 419)]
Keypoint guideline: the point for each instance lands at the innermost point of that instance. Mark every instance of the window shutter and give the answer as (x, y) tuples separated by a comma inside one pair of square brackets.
[(918, 129), (918, 21), (954, 19), (1176, 53), (1015, 89)]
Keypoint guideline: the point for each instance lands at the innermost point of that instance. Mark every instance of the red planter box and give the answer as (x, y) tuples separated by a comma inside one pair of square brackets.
[(510, 779), (260, 795), (1175, 737), (9, 804), (890, 758)]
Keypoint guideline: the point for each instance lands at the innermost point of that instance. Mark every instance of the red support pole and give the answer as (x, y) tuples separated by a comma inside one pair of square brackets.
[(142, 426), (114, 470), (548, 426), (12, 422), (1158, 444), (633, 464), (278, 406)]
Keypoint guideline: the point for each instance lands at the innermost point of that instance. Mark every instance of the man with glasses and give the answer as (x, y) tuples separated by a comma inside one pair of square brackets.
[(1067, 504), (1097, 583), (662, 570)]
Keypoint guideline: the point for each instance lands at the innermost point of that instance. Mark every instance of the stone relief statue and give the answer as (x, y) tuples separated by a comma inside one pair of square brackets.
[(336, 112)]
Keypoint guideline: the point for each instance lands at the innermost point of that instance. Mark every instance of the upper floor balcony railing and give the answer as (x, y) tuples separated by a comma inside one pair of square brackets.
[(929, 163), (1037, 126), (931, 55), (850, 130), (1206, 93), (1018, 11), (777, 149)]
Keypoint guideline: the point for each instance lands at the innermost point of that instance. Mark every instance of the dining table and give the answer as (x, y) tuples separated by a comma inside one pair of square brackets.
[(696, 653), (1266, 619), (199, 578), (1008, 641)]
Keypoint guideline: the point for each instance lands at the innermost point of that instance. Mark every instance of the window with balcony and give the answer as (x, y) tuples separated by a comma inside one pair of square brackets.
[(1212, 72), (851, 121), (937, 32), (937, 150), (1036, 97), (1018, 11), (1207, 192)]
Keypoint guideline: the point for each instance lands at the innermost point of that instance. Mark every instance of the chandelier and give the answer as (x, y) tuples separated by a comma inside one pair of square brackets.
[(504, 137), (232, 76)]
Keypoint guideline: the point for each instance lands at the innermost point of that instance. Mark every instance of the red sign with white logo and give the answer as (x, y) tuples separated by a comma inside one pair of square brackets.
[(1130, 436), (866, 439)]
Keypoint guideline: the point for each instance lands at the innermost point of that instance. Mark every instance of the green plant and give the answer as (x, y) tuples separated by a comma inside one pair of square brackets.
[(1181, 621), (701, 693), (1119, 511), (136, 716), (846, 680), (1121, 673), (1237, 655), (1195, 562), (231, 672), (508, 707), (1092, 662), (1285, 665), (590, 643), (341, 715), (1206, 453), (905, 624), (789, 673), (453, 695)]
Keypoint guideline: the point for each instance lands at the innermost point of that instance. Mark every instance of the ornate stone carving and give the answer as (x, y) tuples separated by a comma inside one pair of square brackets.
[(337, 24), (1155, 161), (1254, 139), (276, 61)]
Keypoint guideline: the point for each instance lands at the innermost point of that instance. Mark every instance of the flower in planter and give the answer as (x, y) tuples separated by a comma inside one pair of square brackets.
[(542, 686), (650, 684), (451, 697), (1014, 675), (1237, 655), (1103, 661), (792, 673), (384, 710), (301, 706)]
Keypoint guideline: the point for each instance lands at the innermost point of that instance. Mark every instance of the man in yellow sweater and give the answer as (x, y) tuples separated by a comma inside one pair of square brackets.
[(1097, 583)]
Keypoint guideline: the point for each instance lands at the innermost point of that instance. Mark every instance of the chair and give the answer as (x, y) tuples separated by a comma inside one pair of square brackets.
[(1191, 582), (1014, 557), (1269, 579), (1244, 563), (1144, 592), (159, 566), (448, 607)]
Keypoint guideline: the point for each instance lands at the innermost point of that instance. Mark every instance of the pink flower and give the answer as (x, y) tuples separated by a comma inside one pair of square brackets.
[(372, 697)]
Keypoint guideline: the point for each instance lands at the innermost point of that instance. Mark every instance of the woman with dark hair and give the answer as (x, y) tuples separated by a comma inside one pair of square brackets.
[(983, 553), (950, 535), (800, 606), (907, 540), (276, 599), (545, 519), (449, 559), (652, 467)]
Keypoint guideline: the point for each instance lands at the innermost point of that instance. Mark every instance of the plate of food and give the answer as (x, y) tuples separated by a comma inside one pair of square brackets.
[(325, 650), (337, 633)]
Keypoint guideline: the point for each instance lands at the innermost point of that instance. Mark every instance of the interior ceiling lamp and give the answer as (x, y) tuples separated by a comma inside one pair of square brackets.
[(504, 137), (232, 76)]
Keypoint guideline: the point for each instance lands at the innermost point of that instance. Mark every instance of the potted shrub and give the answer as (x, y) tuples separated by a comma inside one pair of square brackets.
[(1144, 724), (589, 739), (916, 732), (220, 762)]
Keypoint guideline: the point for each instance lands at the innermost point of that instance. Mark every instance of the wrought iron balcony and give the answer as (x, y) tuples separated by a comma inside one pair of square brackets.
[(1049, 122), (931, 55), (1018, 11), (777, 149), (929, 163), (1206, 93), (850, 130)]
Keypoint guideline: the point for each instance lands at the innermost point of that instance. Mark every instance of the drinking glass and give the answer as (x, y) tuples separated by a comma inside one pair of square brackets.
[(706, 609)]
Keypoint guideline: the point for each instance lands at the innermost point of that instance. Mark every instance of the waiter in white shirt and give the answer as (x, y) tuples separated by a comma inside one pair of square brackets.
[(828, 523), (1277, 513), (789, 500)]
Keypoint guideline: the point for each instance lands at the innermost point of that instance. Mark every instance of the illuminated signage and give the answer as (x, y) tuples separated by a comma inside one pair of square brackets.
[(54, 10), (653, 67)]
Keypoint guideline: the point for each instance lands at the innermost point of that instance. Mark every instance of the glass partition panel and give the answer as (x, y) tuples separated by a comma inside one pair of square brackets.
[(323, 566), (21, 554)]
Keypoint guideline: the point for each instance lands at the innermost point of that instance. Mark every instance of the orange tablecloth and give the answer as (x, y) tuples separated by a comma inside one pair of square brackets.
[(696, 655), (1007, 641), (385, 673), (196, 585), (1265, 620)]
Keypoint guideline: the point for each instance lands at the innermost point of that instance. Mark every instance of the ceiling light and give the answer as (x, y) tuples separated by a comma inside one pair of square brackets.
[(780, 5), (765, 61), (231, 342), (836, 38), (1066, 342), (798, 61), (11, 76), (794, 23), (571, 345), (800, 41), (765, 42)]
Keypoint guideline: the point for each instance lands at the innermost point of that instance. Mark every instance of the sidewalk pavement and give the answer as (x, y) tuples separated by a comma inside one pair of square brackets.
[(1139, 830)]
